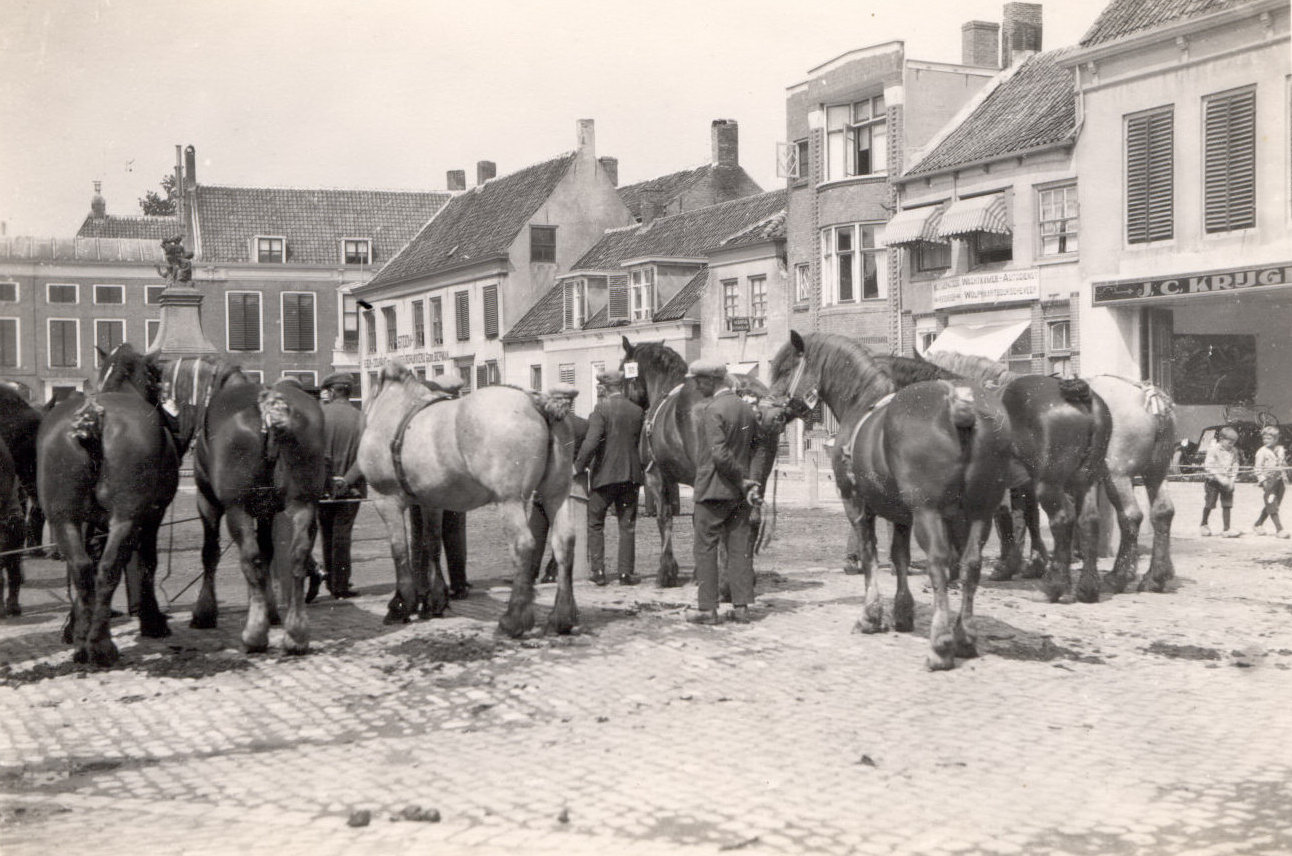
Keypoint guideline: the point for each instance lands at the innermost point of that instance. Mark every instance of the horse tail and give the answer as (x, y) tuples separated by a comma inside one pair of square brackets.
[(1074, 390), (87, 427), (275, 411)]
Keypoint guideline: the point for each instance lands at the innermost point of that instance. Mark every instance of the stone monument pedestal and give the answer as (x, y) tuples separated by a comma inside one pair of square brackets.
[(181, 332)]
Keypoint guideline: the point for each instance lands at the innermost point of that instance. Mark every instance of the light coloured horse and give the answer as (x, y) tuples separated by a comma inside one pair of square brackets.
[(499, 445)]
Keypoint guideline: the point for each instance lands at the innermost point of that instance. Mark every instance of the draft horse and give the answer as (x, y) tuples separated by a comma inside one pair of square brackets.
[(499, 445), (668, 441), (19, 425), (108, 464), (932, 456)]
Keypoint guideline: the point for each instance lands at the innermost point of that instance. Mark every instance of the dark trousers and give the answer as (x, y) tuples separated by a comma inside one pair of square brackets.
[(453, 532), (623, 498), (1272, 493), (723, 521), (336, 521)]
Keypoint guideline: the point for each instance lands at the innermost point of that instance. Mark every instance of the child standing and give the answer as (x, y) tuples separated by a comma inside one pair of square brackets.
[(1222, 468), (1271, 470)]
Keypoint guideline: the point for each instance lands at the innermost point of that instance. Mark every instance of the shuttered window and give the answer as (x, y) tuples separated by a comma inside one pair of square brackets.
[(419, 325), (491, 311), (482, 376), (565, 371), (370, 328), (244, 320), (107, 335), (298, 321), (574, 308), (437, 321), (618, 299), (392, 327), (9, 343), (1230, 161), (64, 347), (1150, 182), (462, 306)]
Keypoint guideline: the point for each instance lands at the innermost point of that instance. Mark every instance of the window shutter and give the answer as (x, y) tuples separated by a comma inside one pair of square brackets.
[(618, 306), (463, 307), (244, 322), (1230, 155), (8, 342), (491, 311), (298, 322), (482, 376), (1150, 162), (567, 308)]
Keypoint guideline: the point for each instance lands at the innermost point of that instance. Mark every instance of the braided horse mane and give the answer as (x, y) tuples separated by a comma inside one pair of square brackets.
[(972, 367), (847, 373)]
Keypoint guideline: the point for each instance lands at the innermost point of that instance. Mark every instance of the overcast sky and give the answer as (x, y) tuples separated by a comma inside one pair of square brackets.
[(392, 94)]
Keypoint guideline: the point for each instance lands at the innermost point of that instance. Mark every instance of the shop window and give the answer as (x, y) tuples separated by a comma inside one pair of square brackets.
[(1213, 369)]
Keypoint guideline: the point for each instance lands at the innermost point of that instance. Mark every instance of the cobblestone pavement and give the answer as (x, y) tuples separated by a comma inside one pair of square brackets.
[(1142, 724)]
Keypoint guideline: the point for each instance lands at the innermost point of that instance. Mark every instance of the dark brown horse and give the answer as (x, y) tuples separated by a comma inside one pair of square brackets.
[(19, 425), (258, 452), (12, 532), (668, 439), (106, 463)]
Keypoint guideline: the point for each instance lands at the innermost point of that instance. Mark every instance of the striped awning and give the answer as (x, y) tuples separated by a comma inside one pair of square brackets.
[(913, 225), (976, 214)]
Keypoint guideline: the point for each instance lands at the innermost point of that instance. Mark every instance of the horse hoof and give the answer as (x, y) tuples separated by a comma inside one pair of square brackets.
[(1150, 584), (12, 609), (667, 581), (154, 629), (1000, 573), (395, 618), (202, 622), (1088, 594), (867, 627), (255, 644), (966, 649), (514, 627), (940, 664), (295, 648), (80, 655), (104, 654)]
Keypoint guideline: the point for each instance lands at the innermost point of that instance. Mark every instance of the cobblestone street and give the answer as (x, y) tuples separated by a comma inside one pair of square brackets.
[(1143, 724)]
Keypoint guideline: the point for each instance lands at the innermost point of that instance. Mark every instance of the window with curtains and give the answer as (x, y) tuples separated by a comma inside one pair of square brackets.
[(437, 321), (856, 138), (242, 309), (1229, 161), (1058, 220), (419, 324), (642, 290), (9, 355), (490, 296), (370, 330), (852, 267), (392, 327), (298, 321), (108, 333), (64, 343), (462, 307), (1150, 179), (730, 302), (758, 303)]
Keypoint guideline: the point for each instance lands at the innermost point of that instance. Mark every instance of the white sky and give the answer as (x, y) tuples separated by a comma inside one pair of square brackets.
[(392, 93)]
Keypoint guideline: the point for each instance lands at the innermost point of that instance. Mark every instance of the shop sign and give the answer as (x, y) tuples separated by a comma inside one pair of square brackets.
[(1209, 282), (1003, 286), (418, 358)]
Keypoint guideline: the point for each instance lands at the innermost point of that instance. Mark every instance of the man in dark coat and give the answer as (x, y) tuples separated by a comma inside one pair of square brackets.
[(610, 452), (342, 427), (725, 429)]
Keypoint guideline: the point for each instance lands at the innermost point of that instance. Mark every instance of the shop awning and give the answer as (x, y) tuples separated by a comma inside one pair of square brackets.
[(980, 340), (975, 214), (913, 225)]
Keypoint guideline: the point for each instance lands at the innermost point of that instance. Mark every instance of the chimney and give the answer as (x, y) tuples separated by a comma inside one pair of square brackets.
[(725, 134), (1020, 32), (485, 170), (611, 166), (98, 206), (457, 179), (980, 44), (650, 204), (587, 137), (190, 168)]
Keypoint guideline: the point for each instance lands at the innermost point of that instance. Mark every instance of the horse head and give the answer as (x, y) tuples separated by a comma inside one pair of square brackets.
[(792, 382), (829, 367), (127, 367), (659, 369)]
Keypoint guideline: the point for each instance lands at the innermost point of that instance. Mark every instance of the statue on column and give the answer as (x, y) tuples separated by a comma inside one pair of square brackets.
[(179, 262)]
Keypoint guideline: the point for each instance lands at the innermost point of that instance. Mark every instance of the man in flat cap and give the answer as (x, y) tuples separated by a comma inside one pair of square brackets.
[(725, 428), (610, 453), (342, 427)]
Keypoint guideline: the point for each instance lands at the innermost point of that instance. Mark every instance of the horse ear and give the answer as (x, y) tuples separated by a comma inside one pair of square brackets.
[(103, 355), (628, 347), (797, 341)]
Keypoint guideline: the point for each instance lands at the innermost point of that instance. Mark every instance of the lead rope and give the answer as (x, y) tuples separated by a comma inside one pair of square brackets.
[(766, 527)]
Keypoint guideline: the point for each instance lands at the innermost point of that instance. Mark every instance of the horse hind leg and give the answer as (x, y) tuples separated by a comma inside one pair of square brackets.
[(862, 534), (296, 636), (1121, 495), (1161, 513), (152, 622), (122, 534), (14, 535), (518, 619), (564, 617), (667, 507), (401, 603), (265, 549), (900, 553), (1058, 507), (970, 572), (1087, 520), (255, 633), (80, 573), (930, 530)]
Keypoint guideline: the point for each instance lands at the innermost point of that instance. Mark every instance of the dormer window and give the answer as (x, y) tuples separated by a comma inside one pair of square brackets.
[(356, 251), (271, 250), (642, 291)]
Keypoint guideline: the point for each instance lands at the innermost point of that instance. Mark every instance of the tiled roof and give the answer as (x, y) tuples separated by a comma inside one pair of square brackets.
[(1034, 107), (690, 234), (1124, 17), (668, 187), (131, 250), (543, 318), (771, 229), (112, 226), (478, 224), (685, 298), (312, 221)]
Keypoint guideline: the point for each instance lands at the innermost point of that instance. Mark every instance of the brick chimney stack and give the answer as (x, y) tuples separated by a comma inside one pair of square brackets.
[(980, 44), (587, 138), (1020, 32), (725, 134), (190, 168), (611, 166), (485, 170), (650, 204), (98, 206), (456, 179)]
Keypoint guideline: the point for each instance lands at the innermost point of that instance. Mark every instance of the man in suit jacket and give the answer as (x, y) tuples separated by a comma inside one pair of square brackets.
[(725, 429), (610, 452)]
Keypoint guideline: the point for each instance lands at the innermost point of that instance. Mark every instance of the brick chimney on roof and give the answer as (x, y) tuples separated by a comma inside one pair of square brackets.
[(725, 134), (98, 205), (650, 205), (485, 170), (980, 44), (456, 179), (1020, 31), (611, 166)]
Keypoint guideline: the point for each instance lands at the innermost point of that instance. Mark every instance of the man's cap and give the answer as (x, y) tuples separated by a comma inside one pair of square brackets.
[(1270, 430), (1228, 433), (563, 390), (705, 367), (610, 377), (338, 379), (452, 384)]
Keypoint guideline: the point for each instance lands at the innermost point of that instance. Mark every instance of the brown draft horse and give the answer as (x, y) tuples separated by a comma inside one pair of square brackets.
[(107, 463), (1140, 444), (499, 445), (932, 456), (1061, 430), (258, 452), (19, 425), (668, 440)]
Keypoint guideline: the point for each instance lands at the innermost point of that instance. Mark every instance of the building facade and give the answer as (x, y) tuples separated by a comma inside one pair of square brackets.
[(1186, 257)]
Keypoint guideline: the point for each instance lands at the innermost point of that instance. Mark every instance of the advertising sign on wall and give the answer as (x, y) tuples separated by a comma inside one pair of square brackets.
[(1003, 286)]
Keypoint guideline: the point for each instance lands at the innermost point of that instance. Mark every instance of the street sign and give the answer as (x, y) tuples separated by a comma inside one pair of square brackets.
[(738, 325)]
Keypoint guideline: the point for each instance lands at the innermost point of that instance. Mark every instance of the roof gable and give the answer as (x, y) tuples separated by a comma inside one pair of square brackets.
[(1035, 106), (1124, 17), (313, 221), (477, 225)]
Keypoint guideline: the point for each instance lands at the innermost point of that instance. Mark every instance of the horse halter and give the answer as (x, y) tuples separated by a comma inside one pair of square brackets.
[(799, 408)]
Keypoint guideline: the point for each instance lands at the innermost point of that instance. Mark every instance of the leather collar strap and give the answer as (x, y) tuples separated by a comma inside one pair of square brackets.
[(397, 443)]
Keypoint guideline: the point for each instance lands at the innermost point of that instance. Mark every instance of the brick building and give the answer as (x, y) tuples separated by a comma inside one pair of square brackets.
[(720, 180)]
